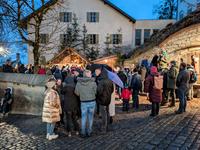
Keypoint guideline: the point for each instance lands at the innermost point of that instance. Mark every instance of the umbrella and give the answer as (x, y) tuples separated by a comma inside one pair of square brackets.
[(115, 78), (97, 66)]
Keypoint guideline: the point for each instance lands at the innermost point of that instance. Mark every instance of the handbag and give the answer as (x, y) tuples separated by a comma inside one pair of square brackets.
[(10, 101)]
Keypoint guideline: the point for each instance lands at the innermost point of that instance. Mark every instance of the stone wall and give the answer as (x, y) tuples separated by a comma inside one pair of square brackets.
[(27, 92)]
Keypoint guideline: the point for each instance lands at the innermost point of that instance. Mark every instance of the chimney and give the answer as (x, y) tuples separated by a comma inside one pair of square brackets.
[(18, 56)]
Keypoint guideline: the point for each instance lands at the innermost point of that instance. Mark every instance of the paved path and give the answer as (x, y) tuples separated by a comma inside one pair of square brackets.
[(136, 130)]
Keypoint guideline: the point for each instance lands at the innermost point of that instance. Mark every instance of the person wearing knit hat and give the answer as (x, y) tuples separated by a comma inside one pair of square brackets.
[(136, 86), (155, 95)]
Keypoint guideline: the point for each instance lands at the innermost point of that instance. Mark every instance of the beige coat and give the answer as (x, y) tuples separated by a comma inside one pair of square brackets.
[(52, 108), (112, 103)]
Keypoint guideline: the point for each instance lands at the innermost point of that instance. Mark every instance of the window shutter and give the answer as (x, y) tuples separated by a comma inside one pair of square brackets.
[(97, 39), (120, 38), (97, 15), (47, 38), (61, 16), (70, 16), (88, 16), (61, 38), (111, 38)]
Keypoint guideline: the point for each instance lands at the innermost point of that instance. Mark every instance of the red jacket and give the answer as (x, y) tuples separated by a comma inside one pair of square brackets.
[(41, 71), (126, 94)]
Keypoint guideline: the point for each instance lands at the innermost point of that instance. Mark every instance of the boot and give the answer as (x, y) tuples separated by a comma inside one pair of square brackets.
[(51, 137), (69, 134), (77, 133), (172, 105), (1, 115)]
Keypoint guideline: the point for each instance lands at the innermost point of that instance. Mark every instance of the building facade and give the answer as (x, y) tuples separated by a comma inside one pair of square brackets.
[(101, 19), (186, 7)]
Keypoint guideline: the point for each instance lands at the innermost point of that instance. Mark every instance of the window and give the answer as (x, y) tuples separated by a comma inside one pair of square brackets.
[(181, 15), (66, 17), (138, 37), (43, 38), (93, 39), (146, 34), (155, 31), (189, 10), (92, 17), (63, 38), (116, 38)]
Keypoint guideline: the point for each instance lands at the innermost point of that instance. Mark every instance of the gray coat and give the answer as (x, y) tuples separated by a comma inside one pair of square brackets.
[(183, 78), (86, 88), (172, 76)]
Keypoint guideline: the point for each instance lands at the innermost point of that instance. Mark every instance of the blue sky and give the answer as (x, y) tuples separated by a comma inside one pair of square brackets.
[(138, 9)]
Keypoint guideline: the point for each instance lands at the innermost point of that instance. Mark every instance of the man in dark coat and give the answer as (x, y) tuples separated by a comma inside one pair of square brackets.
[(171, 81), (97, 73), (182, 83), (21, 68), (136, 85), (165, 97), (70, 103), (104, 91), (123, 77), (57, 74), (4, 107), (8, 68), (143, 72), (155, 60)]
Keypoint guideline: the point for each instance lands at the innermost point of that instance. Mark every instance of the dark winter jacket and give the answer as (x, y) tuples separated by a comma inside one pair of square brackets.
[(86, 88), (136, 82), (22, 69), (30, 71), (57, 74), (76, 77), (155, 61), (155, 95), (70, 98), (104, 89), (146, 63), (123, 77), (143, 73), (183, 79), (8, 69), (165, 81), (64, 74), (7, 95), (172, 76)]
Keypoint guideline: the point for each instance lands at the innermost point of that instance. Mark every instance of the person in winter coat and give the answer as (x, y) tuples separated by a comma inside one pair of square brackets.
[(59, 86), (145, 62), (195, 63), (165, 97), (48, 71), (182, 83), (51, 110), (8, 68), (155, 60), (64, 74), (136, 85), (41, 70), (130, 74), (70, 104), (97, 74), (86, 89), (190, 95), (58, 75), (162, 62), (104, 91), (126, 97), (155, 95), (4, 106), (123, 77), (143, 73), (21, 68), (171, 81)]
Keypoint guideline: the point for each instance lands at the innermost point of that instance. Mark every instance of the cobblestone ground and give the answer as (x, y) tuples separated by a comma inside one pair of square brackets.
[(134, 130)]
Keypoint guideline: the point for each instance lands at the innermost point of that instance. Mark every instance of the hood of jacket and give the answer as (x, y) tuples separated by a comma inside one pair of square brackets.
[(50, 84), (57, 71), (69, 80), (103, 75), (154, 74), (85, 80), (8, 90)]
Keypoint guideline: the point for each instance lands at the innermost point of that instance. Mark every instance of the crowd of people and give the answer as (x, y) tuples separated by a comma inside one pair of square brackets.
[(76, 93)]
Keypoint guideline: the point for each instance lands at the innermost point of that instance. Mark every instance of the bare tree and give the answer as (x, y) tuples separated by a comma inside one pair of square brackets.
[(29, 24)]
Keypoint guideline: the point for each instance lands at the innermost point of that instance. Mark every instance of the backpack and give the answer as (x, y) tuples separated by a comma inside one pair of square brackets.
[(158, 82), (193, 76)]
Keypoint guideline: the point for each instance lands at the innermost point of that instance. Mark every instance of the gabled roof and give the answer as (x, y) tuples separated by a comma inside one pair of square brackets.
[(52, 2), (64, 53)]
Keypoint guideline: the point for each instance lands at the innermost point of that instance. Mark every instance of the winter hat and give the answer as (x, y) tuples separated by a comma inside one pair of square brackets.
[(153, 69), (135, 70), (167, 69), (173, 62), (77, 70), (126, 86)]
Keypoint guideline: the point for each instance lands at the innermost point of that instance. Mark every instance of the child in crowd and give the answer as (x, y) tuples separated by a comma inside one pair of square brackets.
[(4, 102), (126, 96)]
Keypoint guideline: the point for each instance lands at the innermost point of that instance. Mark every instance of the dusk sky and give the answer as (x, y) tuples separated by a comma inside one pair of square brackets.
[(138, 9)]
